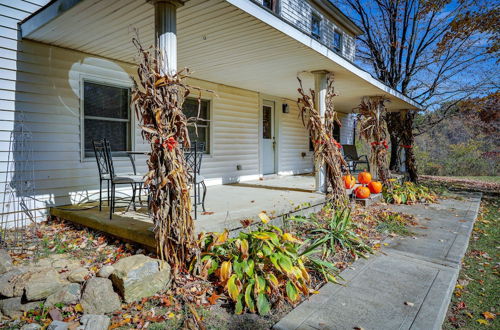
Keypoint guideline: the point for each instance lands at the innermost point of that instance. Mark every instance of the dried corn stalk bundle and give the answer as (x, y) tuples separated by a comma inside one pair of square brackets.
[(158, 100), (372, 119), (326, 148)]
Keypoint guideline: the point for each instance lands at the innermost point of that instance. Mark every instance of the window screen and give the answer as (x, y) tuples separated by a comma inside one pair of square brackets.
[(190, 108), (106, 116)]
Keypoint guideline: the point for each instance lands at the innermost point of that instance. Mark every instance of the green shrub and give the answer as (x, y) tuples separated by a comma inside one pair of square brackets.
[(334, 230), (259, 267)]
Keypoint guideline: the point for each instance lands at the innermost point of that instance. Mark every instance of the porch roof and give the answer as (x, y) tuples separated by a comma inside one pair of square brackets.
[(232, 42)]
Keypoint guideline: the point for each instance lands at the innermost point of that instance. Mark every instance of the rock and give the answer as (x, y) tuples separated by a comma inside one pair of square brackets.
[(59, 262), (31, 326), (139, 276), (106, 271), (58, 325), (13, 307), (69, 294), (78, 275), (94, 322), (98, 297), (42, 284), (5, 261), (8, 281)]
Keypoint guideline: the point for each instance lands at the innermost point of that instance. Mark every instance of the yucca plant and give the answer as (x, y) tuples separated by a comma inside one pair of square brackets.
[(257, 268), (408, 193), (334, 232)]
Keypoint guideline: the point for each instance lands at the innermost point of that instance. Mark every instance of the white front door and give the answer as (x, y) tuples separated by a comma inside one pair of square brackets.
[(268, 138)]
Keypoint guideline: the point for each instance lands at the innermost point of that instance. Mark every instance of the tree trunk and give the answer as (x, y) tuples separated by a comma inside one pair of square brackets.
[(394, 129), (408, 140)]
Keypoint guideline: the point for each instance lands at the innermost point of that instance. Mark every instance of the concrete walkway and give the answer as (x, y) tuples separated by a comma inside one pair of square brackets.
[(406, 286)]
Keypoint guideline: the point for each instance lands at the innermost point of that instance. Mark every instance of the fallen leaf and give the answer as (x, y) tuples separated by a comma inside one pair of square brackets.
[(488, 315), (207, 213), (264, 217), (78, 308), (213, 298), (461, 305), (407, 303), (482, 321)]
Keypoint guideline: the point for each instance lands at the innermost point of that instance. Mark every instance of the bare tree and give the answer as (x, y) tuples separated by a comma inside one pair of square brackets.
[(429, 50)]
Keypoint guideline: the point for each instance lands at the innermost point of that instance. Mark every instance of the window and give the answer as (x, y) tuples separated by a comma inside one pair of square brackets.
[(337, 41), (316, 26), (190, 109), (271, 5), (335, 135), (106, 114)]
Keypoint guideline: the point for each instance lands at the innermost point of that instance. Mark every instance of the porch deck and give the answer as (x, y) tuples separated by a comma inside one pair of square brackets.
[(226, 205)]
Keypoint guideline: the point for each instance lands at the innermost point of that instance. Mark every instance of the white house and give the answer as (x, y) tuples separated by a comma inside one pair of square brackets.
[(65, 68)]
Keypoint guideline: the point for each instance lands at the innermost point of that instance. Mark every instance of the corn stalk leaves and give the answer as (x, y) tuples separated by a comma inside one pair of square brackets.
[(372, 118), (158, 98), (326, 148)]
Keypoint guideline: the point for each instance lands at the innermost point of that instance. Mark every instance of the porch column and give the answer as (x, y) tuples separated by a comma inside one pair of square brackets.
[(166, 32), (320, 85)]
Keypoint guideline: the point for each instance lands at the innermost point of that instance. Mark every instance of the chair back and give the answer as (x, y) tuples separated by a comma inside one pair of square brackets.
[(109, 158), (350, 151), (101, 158), (194, 156)]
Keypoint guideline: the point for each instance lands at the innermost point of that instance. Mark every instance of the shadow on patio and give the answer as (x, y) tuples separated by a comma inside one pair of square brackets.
[(226, 206)]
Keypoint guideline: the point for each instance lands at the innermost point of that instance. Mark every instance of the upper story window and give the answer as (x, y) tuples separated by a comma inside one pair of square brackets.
[(106, 115), (316, 26), (337, 41), (271, 5), (190, 109)]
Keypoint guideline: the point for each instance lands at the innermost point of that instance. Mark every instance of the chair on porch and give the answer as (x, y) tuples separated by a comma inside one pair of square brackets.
[(351, 156), (105, 165), (194, 157)]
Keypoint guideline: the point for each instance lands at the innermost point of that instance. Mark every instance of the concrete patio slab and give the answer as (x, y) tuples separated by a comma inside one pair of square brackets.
[(406, 286), (226, 206)]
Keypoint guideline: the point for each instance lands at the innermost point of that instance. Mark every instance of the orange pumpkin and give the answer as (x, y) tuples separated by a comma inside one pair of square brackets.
[(362, 192), (349, 181), (364, 177), (375, 187)]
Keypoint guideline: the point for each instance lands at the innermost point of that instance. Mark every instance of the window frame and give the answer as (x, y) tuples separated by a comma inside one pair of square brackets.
[(340, 49), (105, 81), (209, 126), (320, 19), (276, 5)]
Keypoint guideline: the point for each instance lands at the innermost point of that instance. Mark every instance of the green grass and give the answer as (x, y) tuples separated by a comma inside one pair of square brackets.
[(478, 286)]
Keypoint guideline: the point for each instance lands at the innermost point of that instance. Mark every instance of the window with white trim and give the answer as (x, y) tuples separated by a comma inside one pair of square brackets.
[(337, 41), (315, 26), (190, 109), (106, 115)]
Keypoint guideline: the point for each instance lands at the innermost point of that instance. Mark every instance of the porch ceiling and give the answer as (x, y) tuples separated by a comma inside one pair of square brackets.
[(220, 41)]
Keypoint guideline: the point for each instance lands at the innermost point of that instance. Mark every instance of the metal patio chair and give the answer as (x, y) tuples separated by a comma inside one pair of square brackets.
[(351, 156), (107, 173), (194, 157)]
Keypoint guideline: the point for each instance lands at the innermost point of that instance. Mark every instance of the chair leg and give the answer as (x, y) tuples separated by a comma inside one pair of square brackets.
[(100, 195), (134, 187), (204, 195), (195, 201), (112, 205), (107, 181)]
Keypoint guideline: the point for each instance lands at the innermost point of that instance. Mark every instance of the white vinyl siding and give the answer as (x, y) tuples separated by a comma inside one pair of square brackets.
[(294, 155)]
